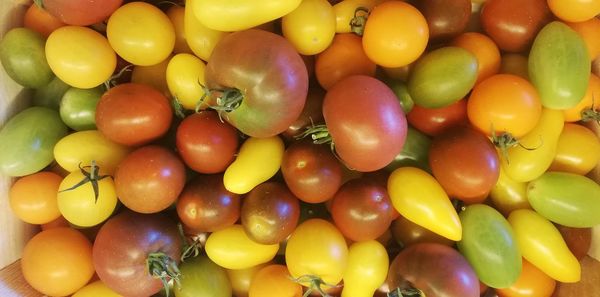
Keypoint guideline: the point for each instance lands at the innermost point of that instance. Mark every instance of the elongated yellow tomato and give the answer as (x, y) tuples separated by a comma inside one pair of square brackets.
[(529, 161), (578, 150), (201, 39), (80, 148), (543, 246), (508, 194), (96, 289), (257, 161), (237, 15), (310, 27), (368, 264), (79, 205), (231, 248), (345, 11), (417, 196), (185, 78)]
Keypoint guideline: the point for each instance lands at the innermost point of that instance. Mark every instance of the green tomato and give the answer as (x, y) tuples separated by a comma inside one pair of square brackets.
[(401, 91), (559, 66), (202, 277), (28, 139), (78, 108), (23, 56), (568, 199), (415, 152), (442, 77), (490, 246), (50, 94)]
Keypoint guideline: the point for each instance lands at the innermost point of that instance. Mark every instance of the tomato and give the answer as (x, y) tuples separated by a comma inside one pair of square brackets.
[(149, 179), (176, 14), (395, 34), (445, 19), (490, 246), (542, 245), (415, 152), (185, 78), (367, 268), (201, 276), (575, 11), (577, 151), (154, 76), (240, 15), (532, 282), (57, 262), (310, 27), (80, 56), (434, 121), (257, 161), (442, 77), (435, 269), (141, 33), (332, 64), (559, 66), (81, 12), (78, 108), (23, 58), (589, 31), (508, 194), (261, 108), (274, 281), (199, 38), (361, 209), (241, 279), (41, 21), (574, 114), (33, 198), (346, 10), (206, 144), (27, 139), (504, 103), (51, 94), (231, 248), (311, 171), (316, 249), (534, 155), (484, 49), (311, 113), (80, 205), (58, 223), (132, 251), (95, 289), (365, 122), (425, 203), (407, 233), (566, 198), (515, 64), (578, 240), (513, 24), (133, 114)]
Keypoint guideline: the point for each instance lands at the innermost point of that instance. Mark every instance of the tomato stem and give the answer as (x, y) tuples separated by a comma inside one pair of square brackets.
[(164, 268), (589, 114), (358, 22), (92, 177), (406, 292), (313, 283), (191, 244), (177, 107), (112, 81)]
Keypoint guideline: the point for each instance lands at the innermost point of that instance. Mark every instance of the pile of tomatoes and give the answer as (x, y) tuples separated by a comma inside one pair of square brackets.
[(304, 147)]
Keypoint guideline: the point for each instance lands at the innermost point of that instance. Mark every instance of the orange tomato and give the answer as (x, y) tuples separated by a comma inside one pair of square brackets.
[(484, 49), (57, 223), (578, 150), (514, 64), (176, 14), (333, 64), (395, 34), (274, 281), (154, 76), (574, 10), (33, 197), (591, 98), (41, 21), (506, 103), (531, 283), (590, 31), (241, 279)]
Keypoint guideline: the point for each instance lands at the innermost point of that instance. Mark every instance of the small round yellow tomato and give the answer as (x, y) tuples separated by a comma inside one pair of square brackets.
[(176, 14), (141, 33), (574, 10), (231, 248), (310, 27), (185, 78), (96, 289), (154, 76), (367, 268), (346, 10), (33, 197), (80, 56), (578, 150), (201, 39)]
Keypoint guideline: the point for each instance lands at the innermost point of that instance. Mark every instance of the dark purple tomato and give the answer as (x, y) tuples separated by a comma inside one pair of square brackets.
[(206, 206), (270, 213), (127, 243), (407, 233), (311, 114), (445, 18)]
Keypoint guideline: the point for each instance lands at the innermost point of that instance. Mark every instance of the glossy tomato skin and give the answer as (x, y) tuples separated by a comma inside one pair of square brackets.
[(531, 283), (270, 75), (465, 163), (123, 245), (366, 122), (445, 19), (202, 277), (407, 233), (81, 12), (206, 144), (23, 57), (434, 121), (436, 269), (133, 114), (149, 179)]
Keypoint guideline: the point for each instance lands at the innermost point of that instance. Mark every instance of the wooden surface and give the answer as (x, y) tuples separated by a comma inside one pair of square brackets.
[(13, 284)]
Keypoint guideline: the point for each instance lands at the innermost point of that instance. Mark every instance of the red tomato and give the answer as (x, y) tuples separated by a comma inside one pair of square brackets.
[(81, 12), (434, 121), (311, 113), (40, 20)]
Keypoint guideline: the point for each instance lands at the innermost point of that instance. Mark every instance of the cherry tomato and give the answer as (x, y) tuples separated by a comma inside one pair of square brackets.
[(41, 21), (578, 240), (32, 198), (484, 49), (310, 27), (445, 19), (508, 194), (367, 268), (345, 11), (407, 233), (588, 103), (531, 283), (434, 121), (185, 79), (515, 64), (199, 38), (590, 31), (241, 279), (176, 14), (202, 277), (577, 151), (154, 76), (311, 113), (274, 281), (81, 12), (576, 10)]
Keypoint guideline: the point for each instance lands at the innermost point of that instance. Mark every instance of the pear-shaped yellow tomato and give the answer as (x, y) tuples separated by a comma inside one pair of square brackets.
[(200, 39), (368, 264), (310, 27), (578, 150), (346, 10), (231, 248), (238, 15), (508, 195), (257, 161), (417, 196), (543, 246), (185, 78)]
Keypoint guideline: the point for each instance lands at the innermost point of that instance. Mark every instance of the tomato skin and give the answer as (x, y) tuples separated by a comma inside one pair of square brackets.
[(345, 11), (365, 121), (201, 276), (176, 14), (577, 151), (508, 195), (589, 31), (185, 78), (445, 19), (41, 21), (81, 12), (367, 268), (199, 38), (57, 262), (154, 76), (270, 105), (32, 198), (133, 114), (484, 49), (407, 233), (574, 114), (51, 94), (95, 289), (23, 58), (78, 107), (274, 281), (434, 121), (311, 113), (241, 279), (515, 64), (531, 283), (574, 11), (415, 152), (310, 27)]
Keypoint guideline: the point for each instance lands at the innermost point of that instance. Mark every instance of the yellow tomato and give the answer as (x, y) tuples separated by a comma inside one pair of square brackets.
[(242, 278), (96, 289), (176, 14), (310, 27), (257, 161), (231, 248), (32, 198), (154, 76), (418, 197), (574, 10), (508, 195), (185, 78), (543, 246), (201, 39), (80, 148), (578, 150), (141, 33), (80, 56), (367, 269), (346, 10)]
